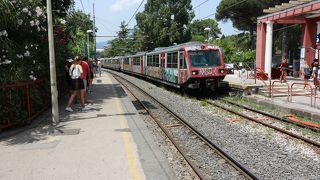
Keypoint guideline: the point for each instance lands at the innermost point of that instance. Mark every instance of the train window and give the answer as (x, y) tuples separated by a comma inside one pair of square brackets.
[(126, 61), (149, 60), (175, 60), (169, 60), (204, 58), (183, 64), (172, 60), (136, 60), (156, 60)]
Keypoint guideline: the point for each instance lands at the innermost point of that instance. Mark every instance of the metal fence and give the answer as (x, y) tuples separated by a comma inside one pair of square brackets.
[(22, 102)]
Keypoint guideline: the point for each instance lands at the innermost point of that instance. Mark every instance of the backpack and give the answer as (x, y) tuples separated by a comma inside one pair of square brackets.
[(307, 71), (74, 72)]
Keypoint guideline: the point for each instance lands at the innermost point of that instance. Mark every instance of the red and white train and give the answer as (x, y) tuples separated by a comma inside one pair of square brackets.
[(190, 65)]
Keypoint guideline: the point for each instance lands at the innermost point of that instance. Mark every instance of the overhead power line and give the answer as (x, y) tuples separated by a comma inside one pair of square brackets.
[(82, 7), (135, 12), (224, 9), (170, 33), (200, 4), (89, 6)]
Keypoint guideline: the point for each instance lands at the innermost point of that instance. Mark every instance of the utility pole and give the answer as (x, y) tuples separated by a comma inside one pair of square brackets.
[(53, 78), (94, 35)]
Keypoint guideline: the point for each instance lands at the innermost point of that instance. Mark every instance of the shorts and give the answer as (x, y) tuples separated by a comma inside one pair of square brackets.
[(307, 77), (77, 84), (85, 84)]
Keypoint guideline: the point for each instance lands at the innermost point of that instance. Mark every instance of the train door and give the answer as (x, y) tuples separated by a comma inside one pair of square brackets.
[(163, 65), (163, 60), (183, 70), (141, 65), (121, 63)]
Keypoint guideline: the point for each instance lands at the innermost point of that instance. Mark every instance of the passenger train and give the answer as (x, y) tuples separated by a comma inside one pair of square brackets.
[(190, 65)]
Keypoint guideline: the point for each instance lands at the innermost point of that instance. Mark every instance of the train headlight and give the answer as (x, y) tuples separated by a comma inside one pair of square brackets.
[(221, 70), (195, 72)]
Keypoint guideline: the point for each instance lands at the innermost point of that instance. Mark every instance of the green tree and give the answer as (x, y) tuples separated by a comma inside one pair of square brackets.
[(199, 34), (164, 22), (235, 48), (60, 7), (243, 14), (77, 24), (123, 44)]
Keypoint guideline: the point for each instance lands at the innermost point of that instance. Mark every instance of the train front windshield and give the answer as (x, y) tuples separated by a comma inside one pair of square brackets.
[(204, 58)]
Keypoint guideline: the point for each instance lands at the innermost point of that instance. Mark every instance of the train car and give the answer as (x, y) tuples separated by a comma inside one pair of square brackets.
[(137, 64), (191, 65), (111, 63)]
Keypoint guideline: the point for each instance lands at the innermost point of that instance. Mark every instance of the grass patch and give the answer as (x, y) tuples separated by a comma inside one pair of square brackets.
[(289, 126), (269, 134), (203, 103)]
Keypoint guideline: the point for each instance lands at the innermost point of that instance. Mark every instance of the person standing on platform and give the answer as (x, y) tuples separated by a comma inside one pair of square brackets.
[(319, 81), (307, 74), (315, 69), (86, 71), (67, 66), (90, 80), (282, 67), (99, 67), (75, 72)]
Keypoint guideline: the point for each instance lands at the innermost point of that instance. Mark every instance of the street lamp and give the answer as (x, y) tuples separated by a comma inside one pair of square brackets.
[(208, 29), (88, 38)]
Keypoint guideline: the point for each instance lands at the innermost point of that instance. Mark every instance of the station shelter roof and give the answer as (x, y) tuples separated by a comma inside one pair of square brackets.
[(293, 12)]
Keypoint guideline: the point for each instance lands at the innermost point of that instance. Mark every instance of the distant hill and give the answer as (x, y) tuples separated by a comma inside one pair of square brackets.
[(100, 45)]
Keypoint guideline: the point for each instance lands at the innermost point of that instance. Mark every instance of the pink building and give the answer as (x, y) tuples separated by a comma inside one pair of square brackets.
[(303, 12)]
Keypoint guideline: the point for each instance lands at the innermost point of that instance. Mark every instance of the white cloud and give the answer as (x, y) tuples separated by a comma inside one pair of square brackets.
[(120, 5)]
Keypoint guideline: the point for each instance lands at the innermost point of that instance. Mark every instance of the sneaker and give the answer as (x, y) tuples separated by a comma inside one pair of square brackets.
[(85, 109), (69, 109)]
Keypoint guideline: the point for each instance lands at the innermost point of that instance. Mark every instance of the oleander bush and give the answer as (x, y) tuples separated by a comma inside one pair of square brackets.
[(24, 53)]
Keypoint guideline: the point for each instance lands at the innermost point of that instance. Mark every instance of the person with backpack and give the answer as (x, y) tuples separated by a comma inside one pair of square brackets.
[(77, 85)]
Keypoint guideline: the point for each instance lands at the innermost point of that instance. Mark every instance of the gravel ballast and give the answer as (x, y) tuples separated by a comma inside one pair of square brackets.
[(267, 153)]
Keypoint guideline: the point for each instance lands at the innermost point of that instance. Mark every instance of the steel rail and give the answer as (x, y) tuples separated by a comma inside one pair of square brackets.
[(266, 124), (272, 116), (166, 132), (234, 163)]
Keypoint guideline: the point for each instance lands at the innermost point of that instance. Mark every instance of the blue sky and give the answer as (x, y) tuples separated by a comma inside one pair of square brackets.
[(110, 13)]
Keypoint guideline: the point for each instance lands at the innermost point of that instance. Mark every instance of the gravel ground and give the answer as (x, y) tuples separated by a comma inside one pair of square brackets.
[(179, 166), (303, 132), (207, 160), (268, 154)]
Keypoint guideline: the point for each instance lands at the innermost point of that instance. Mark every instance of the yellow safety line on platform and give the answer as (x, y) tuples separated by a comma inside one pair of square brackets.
[(132, 163)]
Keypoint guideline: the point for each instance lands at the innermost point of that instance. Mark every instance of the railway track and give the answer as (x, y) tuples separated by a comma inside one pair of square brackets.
[(261, 115), (159, 111)]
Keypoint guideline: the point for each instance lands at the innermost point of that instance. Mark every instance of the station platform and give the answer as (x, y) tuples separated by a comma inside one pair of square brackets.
[(299, 105), (109, 141)]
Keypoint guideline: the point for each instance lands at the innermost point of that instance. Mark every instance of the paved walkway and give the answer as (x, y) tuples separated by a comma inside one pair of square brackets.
[(109, 141)]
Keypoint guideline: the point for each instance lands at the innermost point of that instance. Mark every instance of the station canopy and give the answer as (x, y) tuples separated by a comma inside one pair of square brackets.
[(297, 11)]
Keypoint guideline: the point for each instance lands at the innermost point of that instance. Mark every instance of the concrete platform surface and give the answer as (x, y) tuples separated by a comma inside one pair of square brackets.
[(300, 105), (109, 141)]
